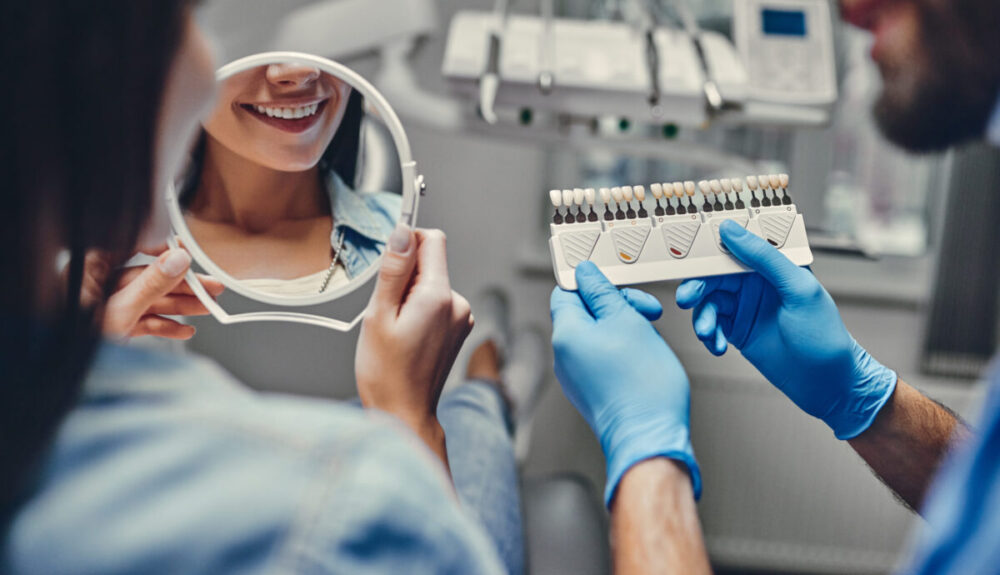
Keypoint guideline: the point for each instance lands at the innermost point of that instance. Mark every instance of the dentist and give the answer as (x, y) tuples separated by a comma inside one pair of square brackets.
[(940, 62)]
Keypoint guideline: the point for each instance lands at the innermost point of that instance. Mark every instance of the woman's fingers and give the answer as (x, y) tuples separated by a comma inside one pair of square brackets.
[(396, 273), (162, 327), (432, 261), (213, 286), (178, 305), (128, 305)]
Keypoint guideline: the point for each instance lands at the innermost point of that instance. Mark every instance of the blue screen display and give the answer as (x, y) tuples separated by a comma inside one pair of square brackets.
[(783, 22)]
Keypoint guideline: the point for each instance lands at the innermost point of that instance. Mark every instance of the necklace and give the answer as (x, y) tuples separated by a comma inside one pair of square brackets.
[(334, 260)]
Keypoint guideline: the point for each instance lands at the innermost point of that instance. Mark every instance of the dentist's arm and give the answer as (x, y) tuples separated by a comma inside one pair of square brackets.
[(784, 322), (632, 391), (654, 524)]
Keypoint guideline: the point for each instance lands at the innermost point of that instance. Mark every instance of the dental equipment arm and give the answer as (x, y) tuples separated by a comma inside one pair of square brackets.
[(654, 523)]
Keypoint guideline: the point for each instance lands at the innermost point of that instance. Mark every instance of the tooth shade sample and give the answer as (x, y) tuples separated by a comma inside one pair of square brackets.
[(555, 196), (590, 196), (578, 196), (656, 190), (783, 180), (616, 193), (752, 182), (627, 193), (567, 197), (690, 188), (640, 193), (605, 196)]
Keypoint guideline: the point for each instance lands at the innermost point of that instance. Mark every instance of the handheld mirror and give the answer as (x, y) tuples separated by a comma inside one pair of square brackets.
[(300, 174)]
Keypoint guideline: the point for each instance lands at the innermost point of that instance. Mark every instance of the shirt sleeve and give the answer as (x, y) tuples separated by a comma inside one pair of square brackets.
[(386, 508), (962, 531)]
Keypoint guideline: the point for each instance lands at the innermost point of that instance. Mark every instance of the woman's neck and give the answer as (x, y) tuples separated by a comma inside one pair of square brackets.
[(235, 190)]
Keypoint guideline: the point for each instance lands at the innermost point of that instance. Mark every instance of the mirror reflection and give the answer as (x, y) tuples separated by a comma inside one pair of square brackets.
[(294, 185)]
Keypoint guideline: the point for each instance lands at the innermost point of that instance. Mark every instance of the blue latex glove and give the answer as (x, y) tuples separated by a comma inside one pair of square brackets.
[(788, 327), (621, 376)]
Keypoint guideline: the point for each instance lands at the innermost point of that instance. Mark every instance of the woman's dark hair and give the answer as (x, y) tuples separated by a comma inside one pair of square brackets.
[(83, 84), (341, 156)]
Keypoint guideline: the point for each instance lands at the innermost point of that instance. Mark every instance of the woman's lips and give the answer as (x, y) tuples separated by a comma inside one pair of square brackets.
[(295, 119)]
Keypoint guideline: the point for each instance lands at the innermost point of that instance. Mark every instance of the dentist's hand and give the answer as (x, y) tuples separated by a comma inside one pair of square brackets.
[(412, 331), (788, 327), (620, 374)]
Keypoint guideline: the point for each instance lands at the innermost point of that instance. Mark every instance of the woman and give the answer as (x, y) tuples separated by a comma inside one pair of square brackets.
[(267, 199), (118, 460)]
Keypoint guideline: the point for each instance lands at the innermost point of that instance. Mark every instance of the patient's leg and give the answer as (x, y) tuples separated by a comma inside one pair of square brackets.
[(477, 424)]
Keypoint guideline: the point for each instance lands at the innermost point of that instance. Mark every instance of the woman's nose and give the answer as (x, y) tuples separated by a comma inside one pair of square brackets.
[(291, 76)]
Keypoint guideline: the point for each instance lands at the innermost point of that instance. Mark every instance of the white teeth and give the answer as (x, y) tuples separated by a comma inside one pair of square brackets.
[(288, 113)]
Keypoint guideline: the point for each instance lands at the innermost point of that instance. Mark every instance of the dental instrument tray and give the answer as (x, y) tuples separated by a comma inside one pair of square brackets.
[(676, 236)]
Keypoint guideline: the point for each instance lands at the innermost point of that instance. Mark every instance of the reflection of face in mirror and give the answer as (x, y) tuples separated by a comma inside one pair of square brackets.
[(273, 195)]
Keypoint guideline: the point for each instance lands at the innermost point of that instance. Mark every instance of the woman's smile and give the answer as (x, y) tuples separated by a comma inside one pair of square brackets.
[(286, 116)]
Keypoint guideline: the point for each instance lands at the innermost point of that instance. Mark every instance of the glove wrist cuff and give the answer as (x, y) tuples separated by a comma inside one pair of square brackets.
[(653, 440), (869, 394)]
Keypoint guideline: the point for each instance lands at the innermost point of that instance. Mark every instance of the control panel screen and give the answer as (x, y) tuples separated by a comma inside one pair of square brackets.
[(783, 22)]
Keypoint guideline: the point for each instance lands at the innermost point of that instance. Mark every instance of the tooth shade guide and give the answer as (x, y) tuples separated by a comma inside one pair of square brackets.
[(590, 196), (690, 188), (578, 196), (694, 218), (752, 183)]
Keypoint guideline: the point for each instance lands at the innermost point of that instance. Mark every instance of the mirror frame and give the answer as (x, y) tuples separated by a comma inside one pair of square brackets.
[(413, 188)]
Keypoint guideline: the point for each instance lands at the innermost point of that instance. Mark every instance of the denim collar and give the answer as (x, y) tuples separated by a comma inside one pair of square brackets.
[(351, 211)]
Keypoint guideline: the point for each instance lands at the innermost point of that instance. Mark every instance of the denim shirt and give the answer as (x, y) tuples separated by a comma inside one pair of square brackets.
[(365, 219), (169, 466)]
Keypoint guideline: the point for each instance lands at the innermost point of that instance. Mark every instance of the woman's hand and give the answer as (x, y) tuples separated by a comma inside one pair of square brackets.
[(145, 294), (412, 331)]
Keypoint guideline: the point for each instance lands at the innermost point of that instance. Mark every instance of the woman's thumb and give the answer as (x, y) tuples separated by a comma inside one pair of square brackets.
[(397, 268), (157, 280)]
